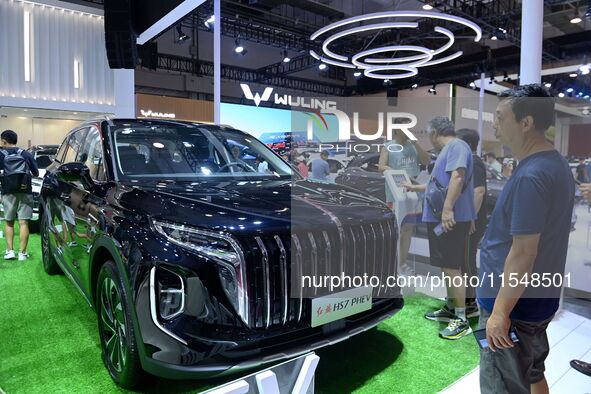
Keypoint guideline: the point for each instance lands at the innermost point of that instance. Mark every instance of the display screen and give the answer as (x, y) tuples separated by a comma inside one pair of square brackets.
[(267, 124)]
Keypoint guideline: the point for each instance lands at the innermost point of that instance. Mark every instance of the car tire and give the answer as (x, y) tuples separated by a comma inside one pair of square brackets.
[(117, 335), (34, 226), (50, 265)]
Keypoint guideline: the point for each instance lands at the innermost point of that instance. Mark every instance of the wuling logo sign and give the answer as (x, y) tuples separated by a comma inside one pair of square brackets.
[(286, 99)]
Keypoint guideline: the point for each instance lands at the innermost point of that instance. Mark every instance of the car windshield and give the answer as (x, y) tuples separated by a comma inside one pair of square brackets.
[(188, 152)]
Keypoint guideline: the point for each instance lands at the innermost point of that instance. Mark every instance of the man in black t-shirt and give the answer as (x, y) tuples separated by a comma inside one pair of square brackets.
[(472, 138)]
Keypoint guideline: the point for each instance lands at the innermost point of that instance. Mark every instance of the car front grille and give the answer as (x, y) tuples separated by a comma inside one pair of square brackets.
[(275, 264)]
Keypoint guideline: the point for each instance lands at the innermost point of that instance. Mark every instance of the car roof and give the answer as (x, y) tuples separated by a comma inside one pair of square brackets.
[(131, 122)]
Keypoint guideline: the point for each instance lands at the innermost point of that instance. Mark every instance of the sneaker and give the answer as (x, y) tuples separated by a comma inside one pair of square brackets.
[(23, 256), (444, 315), (456, 329), (472, 310), (9, 255)]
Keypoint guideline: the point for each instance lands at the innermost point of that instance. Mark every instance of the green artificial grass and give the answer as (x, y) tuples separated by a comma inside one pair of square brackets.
[(49, 344)]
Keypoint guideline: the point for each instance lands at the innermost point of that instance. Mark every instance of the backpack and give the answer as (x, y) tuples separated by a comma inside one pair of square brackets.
[(16, 177)]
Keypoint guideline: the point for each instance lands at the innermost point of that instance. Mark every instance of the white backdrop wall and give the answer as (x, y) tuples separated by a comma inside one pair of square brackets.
[(59, 37)]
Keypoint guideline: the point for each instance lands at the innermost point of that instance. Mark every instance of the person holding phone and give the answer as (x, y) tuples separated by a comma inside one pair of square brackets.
[(449, 215), (527, 236)]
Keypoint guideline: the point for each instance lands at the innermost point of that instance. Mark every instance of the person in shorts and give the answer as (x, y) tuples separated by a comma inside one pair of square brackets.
[(17, 166), (527, 238), (453, 172), (472, 138)]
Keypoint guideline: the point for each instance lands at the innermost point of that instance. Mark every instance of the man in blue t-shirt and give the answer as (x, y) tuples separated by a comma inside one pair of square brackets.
[(449, 207), (320, 167), (527, 238)]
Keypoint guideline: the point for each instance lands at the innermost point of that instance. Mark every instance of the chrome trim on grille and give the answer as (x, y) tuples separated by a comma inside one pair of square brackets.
[(383, 237), (328, 253), (353, 255), (298, 263), (313, 257), (362, 230), (283, 271), (266, 279)]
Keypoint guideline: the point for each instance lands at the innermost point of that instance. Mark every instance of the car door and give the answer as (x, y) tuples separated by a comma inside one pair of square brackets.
[(85, 202), (62, 221)]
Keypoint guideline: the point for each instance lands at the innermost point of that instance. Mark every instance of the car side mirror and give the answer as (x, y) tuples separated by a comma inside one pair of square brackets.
[(75, 172)]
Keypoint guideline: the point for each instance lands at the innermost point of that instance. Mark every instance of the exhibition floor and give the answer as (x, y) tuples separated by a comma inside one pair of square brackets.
[(50, 345)]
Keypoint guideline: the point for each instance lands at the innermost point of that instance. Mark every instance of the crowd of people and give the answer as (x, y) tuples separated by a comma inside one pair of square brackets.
[(527, 234)]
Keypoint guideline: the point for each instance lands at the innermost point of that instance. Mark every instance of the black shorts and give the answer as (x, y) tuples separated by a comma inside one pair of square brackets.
[(449, 250)]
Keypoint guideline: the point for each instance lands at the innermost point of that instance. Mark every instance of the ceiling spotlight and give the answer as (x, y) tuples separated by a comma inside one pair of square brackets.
[(387, 82), (472, 85), (432, 89), (414, 86), (585, 69), (548, 85), (182, 36), (588, 12), (561, 95), (322, 66), (357, 74), (576, 17), (570, 90), (427, 6), (586, 97), (209, 23), (239, 48), (506, 77), (286, 58), (580, 94), (585, 111), (573, 75)]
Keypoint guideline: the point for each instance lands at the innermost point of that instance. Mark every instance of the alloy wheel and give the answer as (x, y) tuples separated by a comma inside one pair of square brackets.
[(113, 325)]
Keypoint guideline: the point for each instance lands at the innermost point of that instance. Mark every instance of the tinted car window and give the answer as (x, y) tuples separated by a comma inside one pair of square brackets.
[(189, 152), (43, 161), (74, 143), (91, 154), (59, 156)]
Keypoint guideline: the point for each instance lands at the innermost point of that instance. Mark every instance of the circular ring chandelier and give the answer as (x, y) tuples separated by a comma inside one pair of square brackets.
[(395, 67)]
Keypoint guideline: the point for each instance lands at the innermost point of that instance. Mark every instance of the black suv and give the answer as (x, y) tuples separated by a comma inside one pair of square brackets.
[(185, 245)]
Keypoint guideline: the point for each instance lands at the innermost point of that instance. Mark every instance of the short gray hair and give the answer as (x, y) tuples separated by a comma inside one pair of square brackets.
[(442, 126)]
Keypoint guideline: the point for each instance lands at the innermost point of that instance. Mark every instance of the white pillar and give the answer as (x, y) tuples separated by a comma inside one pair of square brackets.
[(217, 59), (124, 81), (532, 23)]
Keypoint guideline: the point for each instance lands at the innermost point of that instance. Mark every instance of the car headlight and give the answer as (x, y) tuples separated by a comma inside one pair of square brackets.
[(221, 248)]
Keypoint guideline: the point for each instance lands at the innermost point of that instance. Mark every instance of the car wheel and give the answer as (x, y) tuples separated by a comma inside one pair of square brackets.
[(34, 226), (117, 336), (50, 265)]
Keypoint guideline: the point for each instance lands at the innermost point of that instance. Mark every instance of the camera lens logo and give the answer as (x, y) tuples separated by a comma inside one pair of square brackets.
[(385, 67)]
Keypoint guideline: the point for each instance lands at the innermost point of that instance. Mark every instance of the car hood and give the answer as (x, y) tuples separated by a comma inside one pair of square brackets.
[(250, 206)]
